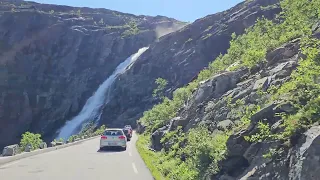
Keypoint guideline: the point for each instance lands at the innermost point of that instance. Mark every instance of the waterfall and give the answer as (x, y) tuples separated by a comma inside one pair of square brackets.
[(92, 110)]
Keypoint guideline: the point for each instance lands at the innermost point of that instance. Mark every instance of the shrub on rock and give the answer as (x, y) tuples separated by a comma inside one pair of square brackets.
[(32, 139)]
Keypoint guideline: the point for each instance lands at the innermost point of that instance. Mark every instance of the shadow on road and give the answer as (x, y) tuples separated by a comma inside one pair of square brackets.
[(110, 150)]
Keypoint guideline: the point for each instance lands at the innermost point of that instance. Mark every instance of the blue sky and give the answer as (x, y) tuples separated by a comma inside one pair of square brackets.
[(184, 10)]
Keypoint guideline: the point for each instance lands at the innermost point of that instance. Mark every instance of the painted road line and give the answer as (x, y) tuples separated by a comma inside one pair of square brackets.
[(134, 168)]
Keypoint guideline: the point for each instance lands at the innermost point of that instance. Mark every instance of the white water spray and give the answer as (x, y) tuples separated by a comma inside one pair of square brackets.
[(92, 109)]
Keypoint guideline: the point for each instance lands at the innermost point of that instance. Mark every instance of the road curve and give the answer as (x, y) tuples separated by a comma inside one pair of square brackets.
[(80, 162)]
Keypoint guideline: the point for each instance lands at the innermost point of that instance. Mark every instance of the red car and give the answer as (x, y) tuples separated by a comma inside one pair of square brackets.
[(129, 128), (127, 133)]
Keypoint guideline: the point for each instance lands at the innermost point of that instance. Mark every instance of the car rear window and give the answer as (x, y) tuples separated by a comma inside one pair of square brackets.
[(125, 130), (113, 133)]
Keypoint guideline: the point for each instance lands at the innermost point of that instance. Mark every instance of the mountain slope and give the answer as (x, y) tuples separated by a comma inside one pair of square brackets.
[(52, 58), (178, 57), (255, 111)]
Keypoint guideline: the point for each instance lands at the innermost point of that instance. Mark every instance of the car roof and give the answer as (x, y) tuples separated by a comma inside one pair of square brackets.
[(113, 129)]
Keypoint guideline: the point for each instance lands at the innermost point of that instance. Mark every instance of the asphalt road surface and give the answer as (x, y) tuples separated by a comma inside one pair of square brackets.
[(80, 162)]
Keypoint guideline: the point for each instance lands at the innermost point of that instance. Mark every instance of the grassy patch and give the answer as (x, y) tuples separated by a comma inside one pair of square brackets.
[(149, 157)]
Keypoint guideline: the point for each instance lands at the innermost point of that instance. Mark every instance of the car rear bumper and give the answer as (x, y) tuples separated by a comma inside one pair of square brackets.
[(105, 144)]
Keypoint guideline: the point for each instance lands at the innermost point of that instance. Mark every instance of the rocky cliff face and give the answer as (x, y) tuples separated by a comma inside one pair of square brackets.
[(224, 101), (52, 58), (255, 116), (178, 57)]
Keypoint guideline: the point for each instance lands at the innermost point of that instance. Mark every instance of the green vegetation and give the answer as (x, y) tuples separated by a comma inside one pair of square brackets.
[(203, 147), (269, 7), (133, 30), (158, 92), (59, 140), (35, 140), (101, 21), (72, 138), (130, 29), (264, 134), (79, 12), (150, 158), (195, 155), (32, 139), (100, 130), (89, 130)]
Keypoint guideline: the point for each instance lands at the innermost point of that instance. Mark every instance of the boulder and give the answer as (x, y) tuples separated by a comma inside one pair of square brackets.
[(28, 148), (262, 84), (140, 127), (237, 145), (156, 138), (285, 52), (241, 95), (178, 121), (10, 150), (252, 151), (304, 163), (53, 144), (43, 145), (265, 113), (234, 165), (225, 125), (218, 85), (286, 107), (221, 114), (58, 143)]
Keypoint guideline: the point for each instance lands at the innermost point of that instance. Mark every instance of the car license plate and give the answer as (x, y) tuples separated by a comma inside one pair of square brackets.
[(112, 144)]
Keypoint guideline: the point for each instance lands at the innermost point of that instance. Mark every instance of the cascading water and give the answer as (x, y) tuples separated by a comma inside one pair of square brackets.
[(92, 109)]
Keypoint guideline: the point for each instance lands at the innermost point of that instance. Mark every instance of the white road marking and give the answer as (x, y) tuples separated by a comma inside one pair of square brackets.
[(7, 165), (134, 168)]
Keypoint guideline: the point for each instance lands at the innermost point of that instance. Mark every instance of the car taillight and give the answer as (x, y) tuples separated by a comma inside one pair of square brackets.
[(122, 137), (103, 137)]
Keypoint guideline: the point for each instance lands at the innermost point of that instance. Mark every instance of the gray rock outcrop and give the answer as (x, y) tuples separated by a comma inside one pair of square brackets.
[(10, 150)]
